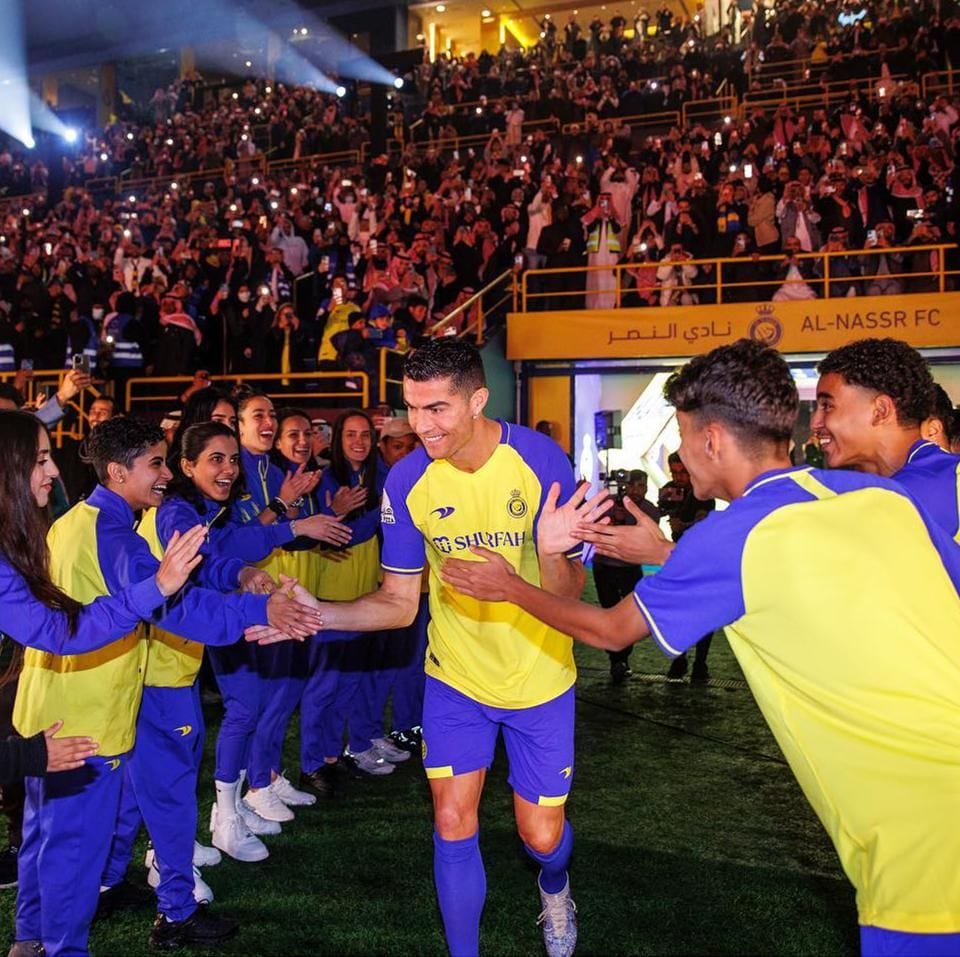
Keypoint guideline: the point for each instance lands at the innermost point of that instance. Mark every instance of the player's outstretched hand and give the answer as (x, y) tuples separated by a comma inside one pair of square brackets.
[(324, 528), (286, 614), (180, 559), (556, 525), (486, 580), (640, 544), (256, 581), (346, 499), (66, 754), (265, 635)]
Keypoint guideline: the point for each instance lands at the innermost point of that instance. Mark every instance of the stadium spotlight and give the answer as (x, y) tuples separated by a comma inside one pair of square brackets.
[(70, 135), (341, 91), (398, 83)]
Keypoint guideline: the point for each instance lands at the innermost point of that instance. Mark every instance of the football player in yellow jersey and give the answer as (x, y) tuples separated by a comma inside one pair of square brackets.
[(840, 599), (490, 668), (875, 398)]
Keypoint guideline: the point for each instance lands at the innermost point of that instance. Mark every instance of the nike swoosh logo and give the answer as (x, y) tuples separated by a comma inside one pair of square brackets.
[(184, 729), (445, 511), (113, 764)]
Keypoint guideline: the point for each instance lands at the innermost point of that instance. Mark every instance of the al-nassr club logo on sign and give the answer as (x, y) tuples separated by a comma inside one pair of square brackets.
[(766, 327)]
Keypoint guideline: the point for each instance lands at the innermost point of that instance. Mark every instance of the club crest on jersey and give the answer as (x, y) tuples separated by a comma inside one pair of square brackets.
[(516, 507)]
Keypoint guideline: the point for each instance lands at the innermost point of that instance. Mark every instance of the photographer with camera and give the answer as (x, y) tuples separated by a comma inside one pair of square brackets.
[(675, 275), (683, 510), (613, 577)]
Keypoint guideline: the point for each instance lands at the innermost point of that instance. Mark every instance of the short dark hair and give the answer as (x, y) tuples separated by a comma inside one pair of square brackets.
[(746, 386), (889, 367), (12, 394), (120, 440), (194, 440), (447, 357), (943, 410)]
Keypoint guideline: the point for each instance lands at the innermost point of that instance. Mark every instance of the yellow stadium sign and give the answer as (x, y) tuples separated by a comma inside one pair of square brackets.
[(925, 320)]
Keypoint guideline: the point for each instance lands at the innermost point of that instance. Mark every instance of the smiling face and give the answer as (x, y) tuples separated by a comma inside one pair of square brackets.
[(395, 447), (216, 468), (295, 438), (144, 483), (357, 439), (258, 425), (444, 418), (844, 423), (100, 410), (44, 472), (224, 413)]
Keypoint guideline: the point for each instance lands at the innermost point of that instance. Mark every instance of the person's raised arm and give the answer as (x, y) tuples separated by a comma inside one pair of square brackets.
[(640, 544), (393, 605), (494, 579), (107, 619), (561, 571)]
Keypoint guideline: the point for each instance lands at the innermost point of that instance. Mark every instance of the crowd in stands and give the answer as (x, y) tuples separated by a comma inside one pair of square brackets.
[(231, 261)]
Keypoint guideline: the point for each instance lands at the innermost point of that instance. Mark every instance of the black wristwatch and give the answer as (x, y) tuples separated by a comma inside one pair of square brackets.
[(278, 506)]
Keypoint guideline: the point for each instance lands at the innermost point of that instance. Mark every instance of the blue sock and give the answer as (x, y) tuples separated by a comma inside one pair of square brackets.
[(461, 891), (553, 866)]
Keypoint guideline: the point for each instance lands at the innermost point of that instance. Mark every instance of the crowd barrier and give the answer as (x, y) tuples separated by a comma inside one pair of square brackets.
[(742, 278), (45, 382)]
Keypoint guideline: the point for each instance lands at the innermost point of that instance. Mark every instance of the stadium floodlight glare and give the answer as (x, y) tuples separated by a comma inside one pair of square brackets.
[(71, 135), (341, 91), (16, 94), (398, 82)]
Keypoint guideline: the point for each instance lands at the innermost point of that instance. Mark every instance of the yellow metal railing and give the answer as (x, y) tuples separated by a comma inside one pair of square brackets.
[(634, 120), (253, 164), (39, 383), (940, 82), (158, 389), (469, 318), (388, 357), (693, 111), (806, 95), (717, 279)]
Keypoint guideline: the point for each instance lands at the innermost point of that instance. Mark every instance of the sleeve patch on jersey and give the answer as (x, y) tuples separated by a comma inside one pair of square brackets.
[(386, 510)]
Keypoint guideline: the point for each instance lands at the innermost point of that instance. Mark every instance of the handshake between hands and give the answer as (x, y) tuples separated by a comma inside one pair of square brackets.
[(579, 520), (292, 612)]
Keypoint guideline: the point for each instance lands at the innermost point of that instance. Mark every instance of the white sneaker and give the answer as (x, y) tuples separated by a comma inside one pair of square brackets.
[(251, 820), (290, 795), (255, 823), (390, 751), (202, 893), (266, 803), (235, 839), (204, 856), (370, 761)]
